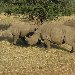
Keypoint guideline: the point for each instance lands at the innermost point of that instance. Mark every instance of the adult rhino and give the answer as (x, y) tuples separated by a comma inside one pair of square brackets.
[(54, 33)]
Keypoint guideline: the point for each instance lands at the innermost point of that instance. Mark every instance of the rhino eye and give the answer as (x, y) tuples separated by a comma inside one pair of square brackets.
[(36, 29)]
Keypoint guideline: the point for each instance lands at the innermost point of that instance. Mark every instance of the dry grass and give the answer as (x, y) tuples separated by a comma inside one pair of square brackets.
[(19, 60)]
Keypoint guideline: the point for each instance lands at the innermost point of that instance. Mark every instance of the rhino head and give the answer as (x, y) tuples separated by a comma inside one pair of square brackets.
[(32, 40)]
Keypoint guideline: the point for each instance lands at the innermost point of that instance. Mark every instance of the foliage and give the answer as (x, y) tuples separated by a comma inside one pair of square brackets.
[(45, 9)]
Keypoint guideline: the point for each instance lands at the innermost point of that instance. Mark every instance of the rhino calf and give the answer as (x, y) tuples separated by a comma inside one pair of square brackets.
[(19, 30)]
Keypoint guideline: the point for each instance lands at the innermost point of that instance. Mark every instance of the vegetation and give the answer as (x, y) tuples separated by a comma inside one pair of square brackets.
[(44, 9)]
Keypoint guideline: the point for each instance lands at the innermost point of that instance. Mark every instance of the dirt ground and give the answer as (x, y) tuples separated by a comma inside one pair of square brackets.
[(21, 60)]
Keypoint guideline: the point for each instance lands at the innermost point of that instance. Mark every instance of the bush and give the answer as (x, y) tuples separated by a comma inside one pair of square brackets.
[(44, 9)]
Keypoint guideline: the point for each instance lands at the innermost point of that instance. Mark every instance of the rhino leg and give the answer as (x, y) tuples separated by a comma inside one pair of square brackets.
[(47, 42), (15, 38), (73, 48)]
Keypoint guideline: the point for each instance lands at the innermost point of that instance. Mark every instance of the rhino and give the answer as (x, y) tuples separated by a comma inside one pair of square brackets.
[(70, 23), (54, 33), (19, 30)]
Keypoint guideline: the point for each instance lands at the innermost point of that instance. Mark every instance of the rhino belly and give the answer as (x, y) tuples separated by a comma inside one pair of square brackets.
[(57, 36)]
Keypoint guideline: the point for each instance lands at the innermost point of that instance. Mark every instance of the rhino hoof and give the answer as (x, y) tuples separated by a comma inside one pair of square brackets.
[(71, 51)]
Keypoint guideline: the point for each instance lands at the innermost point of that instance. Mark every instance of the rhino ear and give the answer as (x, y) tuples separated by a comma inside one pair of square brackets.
[(35, 28)]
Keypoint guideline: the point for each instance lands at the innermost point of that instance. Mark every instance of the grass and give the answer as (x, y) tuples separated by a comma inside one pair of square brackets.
[(19, 60)]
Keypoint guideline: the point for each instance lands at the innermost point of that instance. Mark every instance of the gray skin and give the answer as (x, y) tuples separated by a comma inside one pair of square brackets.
[(19, 30), (70, 23), (54, 33)]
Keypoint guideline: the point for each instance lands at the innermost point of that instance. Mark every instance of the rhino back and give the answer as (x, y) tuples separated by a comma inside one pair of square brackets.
[(69, 34)]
